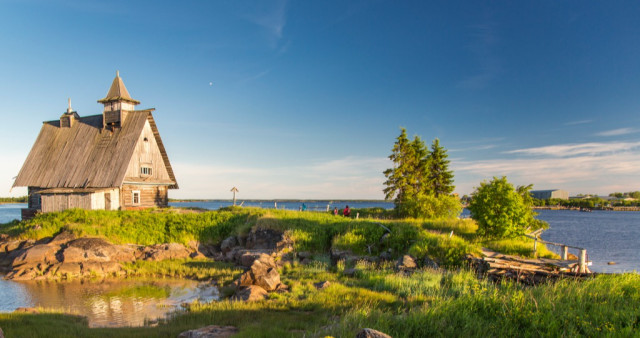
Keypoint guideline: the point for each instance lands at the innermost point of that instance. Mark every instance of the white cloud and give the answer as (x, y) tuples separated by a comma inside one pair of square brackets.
[(577, 149), (589, 167), (617, 132), (273, 20)]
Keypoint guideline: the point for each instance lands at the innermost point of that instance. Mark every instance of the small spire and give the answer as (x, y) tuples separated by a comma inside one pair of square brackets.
[(117, 73), (69, 110)]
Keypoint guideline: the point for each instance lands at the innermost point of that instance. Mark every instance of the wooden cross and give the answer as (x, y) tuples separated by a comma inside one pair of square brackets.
[(234, 190)]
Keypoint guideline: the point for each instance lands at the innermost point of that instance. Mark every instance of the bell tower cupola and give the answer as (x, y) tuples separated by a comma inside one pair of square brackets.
[(117, 103)]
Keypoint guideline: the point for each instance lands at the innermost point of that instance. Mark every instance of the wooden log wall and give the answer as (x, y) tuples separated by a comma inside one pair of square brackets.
[(150, 196)]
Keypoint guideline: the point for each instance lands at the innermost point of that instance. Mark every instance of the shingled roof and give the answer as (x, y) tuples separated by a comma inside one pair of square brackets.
[(118, 92), (86, 155)]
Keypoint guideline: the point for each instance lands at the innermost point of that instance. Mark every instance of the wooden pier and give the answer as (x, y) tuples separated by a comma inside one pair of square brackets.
[(497, 266)]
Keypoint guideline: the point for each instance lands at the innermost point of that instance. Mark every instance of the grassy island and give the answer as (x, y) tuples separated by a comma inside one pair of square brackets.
[(451, 301)]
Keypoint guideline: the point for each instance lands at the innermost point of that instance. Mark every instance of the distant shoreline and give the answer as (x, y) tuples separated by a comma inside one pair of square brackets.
[(280, 200), (589, 209)]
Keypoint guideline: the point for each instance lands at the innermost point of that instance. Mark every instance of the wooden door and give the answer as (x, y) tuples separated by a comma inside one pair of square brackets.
[(107, 201)]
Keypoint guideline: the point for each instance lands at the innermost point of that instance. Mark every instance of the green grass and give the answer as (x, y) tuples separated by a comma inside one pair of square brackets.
[(521, 246), (198, 269), (427, 303)]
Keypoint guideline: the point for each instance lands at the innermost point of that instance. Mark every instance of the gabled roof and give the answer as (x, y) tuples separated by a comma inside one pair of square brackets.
[(86, 155), (118, 92)]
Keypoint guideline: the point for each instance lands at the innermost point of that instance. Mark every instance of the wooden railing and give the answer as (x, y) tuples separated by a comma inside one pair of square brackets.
[(564, 250)]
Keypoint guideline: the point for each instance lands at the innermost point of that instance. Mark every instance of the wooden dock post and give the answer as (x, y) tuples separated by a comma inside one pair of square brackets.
[(582, 263), (565, 252)]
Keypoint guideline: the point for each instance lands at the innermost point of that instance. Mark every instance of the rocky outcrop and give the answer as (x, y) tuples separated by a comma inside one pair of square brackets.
[(263, 273), (371, 333), (262, 277), (160, 252), (268, 239), (250, 293), (65, 256), (211, 331)]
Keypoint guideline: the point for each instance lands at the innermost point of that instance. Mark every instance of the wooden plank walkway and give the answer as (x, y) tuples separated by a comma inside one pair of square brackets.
[(546, 264), (497, 266)]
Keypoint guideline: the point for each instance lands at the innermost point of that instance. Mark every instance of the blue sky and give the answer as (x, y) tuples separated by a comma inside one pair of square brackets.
[(304, 99)]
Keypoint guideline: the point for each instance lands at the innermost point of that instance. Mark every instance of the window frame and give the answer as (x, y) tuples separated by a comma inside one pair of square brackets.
[(149, 171), (133, 197)]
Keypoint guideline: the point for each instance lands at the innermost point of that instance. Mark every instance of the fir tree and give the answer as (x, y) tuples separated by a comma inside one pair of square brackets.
[(401, 182), (439, 177)]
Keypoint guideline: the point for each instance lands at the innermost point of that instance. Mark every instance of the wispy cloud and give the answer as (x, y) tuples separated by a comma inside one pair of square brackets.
[(272, 19), (557, 170), (485, 38), (256, 76), (479, 147), (590, 167), (617, 132), (573, 123), (564, 150)]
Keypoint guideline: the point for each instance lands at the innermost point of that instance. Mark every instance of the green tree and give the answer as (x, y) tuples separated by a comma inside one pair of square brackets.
[(401, 180), (420, 182), (502, 211), (439, 177)]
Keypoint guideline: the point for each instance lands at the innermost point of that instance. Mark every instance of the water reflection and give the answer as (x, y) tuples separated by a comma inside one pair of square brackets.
[(129, 302)]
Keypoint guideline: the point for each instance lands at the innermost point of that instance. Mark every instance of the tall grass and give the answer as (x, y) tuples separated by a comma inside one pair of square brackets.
[(426, 303)]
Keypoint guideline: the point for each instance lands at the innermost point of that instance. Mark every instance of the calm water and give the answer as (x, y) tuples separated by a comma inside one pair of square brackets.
[(108, 303), (9, 212), (608, 236)]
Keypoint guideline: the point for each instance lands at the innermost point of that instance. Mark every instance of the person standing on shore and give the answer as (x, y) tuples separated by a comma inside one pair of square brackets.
[(335, 211), (346, 212)]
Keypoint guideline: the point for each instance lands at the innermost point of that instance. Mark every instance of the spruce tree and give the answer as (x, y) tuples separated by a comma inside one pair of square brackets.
[(400, 184), (439, 177)]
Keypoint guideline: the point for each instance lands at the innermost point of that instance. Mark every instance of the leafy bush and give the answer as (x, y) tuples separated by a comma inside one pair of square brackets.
[(431, 206), (448, 251), (501, 211)]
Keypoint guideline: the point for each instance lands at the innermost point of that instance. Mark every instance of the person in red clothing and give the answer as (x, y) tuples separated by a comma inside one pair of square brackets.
[(346, 212), (335, 211)]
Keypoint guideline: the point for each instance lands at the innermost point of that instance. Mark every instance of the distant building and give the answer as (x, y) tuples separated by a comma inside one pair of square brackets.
[(111, 161), (547, 194)]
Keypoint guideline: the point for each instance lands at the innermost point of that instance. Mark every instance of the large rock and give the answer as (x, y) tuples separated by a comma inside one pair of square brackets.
[(161, 252), (41, 253), (228, 243), (430, 263), (263, 273), (250, 293), (268, 239), (93, 250), (211, 331), (406, 263), (62, 237), (247, 257), (371, 333)]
